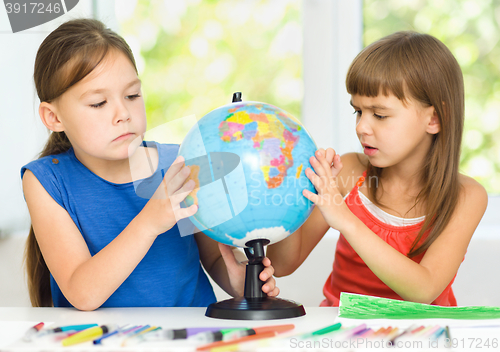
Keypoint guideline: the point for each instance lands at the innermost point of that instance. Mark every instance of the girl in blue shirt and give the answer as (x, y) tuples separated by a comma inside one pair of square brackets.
[(100, 236)]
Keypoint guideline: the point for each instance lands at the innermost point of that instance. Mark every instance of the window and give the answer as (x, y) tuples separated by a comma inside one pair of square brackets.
[(471, 30), (192, 55)]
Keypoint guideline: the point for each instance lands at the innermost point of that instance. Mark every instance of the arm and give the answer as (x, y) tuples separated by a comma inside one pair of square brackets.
[(226, 266), (419, 282), (88, 281), (288, 254)]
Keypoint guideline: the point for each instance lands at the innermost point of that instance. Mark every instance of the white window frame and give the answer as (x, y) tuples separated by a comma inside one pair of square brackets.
[(332, 38)]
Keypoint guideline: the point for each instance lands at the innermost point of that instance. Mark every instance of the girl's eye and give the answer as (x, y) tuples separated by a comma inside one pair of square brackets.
[(357, 112), (134, 96), (379, 117), (98, 105)]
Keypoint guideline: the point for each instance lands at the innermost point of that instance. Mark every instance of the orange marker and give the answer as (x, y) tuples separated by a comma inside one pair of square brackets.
[(259, 330), (379, 331), (384, 331)]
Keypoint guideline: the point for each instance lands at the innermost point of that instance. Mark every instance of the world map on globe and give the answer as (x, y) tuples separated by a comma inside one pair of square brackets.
[(248, 162)]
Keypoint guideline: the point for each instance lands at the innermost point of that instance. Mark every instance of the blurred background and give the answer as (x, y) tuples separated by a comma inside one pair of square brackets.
[(193, 54)]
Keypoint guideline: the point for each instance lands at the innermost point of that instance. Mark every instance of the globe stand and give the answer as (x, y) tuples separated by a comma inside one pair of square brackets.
[(255, 304)]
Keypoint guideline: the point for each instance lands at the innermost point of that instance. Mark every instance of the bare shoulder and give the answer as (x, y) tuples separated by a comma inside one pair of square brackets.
[(29, 182), (472, 193), (354, 164)]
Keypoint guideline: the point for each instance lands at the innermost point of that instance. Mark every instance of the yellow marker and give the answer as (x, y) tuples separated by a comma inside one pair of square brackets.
[(230, 348), (88, 334)]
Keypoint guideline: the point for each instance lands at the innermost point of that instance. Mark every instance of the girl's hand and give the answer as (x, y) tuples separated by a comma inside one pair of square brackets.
[(236, 271), (163, 210), (327, 166)]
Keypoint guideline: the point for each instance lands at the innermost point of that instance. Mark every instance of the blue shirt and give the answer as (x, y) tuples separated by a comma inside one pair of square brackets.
[(170, 274)]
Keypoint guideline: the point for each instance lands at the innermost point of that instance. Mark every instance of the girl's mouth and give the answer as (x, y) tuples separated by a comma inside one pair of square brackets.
[(370, 150)]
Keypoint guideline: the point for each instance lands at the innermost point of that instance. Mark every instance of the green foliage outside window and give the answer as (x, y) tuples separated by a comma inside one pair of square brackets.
[(192, 55), (471, 29)]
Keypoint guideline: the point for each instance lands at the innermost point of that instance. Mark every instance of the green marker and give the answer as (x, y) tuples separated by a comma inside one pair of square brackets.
[(323, 331), (328, 329)]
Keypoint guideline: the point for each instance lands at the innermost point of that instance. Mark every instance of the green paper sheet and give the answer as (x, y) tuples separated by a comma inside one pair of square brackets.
[(368, 307)]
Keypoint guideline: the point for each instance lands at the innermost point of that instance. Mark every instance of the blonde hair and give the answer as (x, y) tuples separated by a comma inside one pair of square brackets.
[(419, 66), (64, 58)]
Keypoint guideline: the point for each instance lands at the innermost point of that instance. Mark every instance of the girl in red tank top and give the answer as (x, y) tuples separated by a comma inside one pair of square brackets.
[(404, 235), (351, 274)]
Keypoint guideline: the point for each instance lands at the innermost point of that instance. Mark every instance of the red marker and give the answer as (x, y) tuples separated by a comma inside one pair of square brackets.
[(33, 331)]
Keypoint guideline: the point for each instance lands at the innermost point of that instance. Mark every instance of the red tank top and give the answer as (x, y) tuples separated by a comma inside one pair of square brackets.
[(351, 274)]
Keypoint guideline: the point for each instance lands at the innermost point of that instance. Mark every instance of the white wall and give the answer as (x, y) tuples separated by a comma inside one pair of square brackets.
[(22, 135)]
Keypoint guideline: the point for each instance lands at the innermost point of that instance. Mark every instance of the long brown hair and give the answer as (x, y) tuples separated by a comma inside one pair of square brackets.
[(65, 57), (419, 66)]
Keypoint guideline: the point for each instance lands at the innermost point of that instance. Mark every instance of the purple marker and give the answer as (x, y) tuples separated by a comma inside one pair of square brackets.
[(351, 332)]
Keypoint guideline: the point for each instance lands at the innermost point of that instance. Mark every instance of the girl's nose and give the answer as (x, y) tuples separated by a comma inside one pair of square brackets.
[(122, 114), (362, 125)]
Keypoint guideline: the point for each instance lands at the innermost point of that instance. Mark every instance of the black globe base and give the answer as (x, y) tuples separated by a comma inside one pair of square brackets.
[(255, 304), (267, 308)]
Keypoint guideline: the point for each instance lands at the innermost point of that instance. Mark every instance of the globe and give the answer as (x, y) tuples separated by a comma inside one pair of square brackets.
[(248, 162)]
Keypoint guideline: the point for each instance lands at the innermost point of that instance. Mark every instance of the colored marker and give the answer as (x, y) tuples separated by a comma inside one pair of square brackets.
[(447, 335), (110, 337), (259, 330), (32, 332), (418, 329), (327, 330), (359, 333), (88, 334), (431, 331), (393, 334), (422, 332), (66, 328), (438, 333), (131, 340), (367, 333), (220, 335), (236, 342), (181, 334), (382, 331), (405, 332), (353, 331), (447, 332)]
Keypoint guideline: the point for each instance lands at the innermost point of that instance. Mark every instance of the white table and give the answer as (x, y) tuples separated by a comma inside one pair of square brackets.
[(175, 318), (167, 318)]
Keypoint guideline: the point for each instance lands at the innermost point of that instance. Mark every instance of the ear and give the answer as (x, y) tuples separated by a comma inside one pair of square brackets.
[(48, 114), (433, 125)]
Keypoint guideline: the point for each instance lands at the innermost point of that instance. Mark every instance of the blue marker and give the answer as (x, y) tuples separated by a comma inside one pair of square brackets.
[(437, 334), (110, 337), (66, 329)]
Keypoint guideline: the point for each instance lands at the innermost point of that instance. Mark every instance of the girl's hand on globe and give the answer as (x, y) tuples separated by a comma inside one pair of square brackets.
[(327, 166), (236, 272), (163, 210)]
